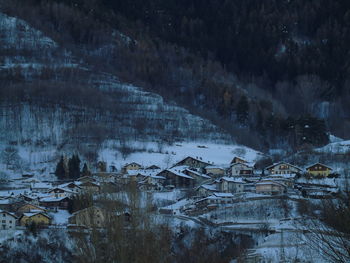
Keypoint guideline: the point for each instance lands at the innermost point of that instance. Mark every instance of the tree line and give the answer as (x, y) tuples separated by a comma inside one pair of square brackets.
[(70, 168), (178, 56)]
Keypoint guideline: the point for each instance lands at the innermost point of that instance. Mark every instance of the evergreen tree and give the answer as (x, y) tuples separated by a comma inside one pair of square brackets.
[(242, 110), (60, 171), (85, 171), (74, 167)]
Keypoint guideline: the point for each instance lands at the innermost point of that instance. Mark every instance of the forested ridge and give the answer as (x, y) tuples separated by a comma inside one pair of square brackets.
[(272, 73)]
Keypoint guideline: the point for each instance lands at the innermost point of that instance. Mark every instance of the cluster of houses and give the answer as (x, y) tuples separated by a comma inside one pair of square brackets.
[(210, 185), (34, 204), (216, 184)]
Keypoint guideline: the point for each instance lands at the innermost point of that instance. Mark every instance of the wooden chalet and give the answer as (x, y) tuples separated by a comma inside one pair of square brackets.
[(319, 169), (283, 168)]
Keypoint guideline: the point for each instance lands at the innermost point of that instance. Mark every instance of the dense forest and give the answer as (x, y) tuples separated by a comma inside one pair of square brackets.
[(272, 73)]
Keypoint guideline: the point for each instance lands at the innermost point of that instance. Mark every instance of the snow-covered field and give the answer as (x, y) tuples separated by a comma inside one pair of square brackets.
[(169, 155)]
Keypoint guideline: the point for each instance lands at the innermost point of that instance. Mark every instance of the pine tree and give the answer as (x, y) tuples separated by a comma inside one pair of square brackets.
[(242, 110), (85, 171), (74, 167), (60, 171)]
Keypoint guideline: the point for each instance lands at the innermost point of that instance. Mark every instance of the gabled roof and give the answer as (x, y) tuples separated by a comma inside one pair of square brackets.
[(31, 214), (135, 163), (191, 157), (177, 173), (209, 187), (36, 206), (11, 214), (320, 164), (224, 195), (238, 160), (279, 163), (198, 173), (53, 199)]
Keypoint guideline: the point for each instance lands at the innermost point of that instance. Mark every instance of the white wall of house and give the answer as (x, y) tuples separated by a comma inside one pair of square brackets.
[(7, 221)]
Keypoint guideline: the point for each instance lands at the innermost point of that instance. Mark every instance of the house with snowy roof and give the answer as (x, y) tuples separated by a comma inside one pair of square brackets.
[(38, 218), (198, 176), (206, 189), (232, 185), (192, 162), (283, 168), (40, 187), (216, 170), (8, 220), (61, 192), (27, 207), (241, 169), (152, 182), (177, 178), (238, 160), (131, 166), (270, 187), (93, 216)]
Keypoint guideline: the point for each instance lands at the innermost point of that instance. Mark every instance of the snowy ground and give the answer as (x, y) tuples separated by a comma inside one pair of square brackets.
[(60, 217), (209, 152)]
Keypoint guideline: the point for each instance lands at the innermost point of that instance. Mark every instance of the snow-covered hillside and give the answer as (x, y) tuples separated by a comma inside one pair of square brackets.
[(42, 129)]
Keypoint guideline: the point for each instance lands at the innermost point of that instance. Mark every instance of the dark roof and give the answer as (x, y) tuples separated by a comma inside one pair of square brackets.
[(319, 164)]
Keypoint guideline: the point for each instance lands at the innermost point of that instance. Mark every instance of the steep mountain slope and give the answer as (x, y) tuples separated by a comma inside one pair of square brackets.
[(51, 100)]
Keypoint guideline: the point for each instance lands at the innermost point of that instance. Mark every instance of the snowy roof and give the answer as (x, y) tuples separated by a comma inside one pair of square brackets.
[(225, 195), (4, 201), (30, 214), (52, 199), (177, 172), (199, 159), (233, 180), (198, 174), (210, 187), (11, 214)]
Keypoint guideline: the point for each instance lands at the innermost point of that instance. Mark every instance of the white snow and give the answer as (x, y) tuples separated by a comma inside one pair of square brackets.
[(209, 152)]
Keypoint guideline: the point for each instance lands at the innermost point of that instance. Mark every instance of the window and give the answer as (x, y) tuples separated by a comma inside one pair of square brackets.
[(3, 215), (3, 221), (10, 221)]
